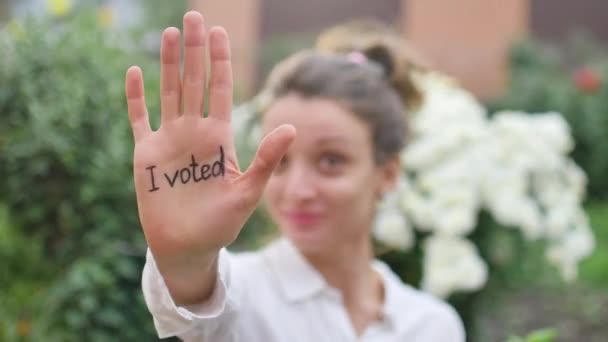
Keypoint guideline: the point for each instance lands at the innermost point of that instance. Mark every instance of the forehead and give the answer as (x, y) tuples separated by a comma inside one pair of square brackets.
[(316, 118)]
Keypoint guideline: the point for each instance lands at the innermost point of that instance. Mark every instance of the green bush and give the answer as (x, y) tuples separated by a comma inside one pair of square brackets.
[(594, 270), (545, 335), (66, 170), (22, 265), (570, 80)]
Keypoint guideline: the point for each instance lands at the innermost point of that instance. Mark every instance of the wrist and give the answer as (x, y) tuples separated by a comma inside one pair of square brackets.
[(192, 281)]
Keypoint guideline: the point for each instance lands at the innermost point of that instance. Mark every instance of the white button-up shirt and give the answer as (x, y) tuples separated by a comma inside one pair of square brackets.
[(276, 295)]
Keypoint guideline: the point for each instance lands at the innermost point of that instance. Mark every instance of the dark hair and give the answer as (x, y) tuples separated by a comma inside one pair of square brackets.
[(360, 85)]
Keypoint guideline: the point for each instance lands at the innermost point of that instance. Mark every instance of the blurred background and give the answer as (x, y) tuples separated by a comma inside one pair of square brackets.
[(71, 250)]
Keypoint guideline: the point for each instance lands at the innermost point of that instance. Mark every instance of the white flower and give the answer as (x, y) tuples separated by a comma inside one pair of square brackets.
[(452, 264), (445, 104), (455, 209), (574, 246), (392, 229), (564, 186), (554, 130), (514, 164), (501, 181), (455, 173), (530, 219), (521, 142), (457, 221), (575, 179), (518, 211), (422, 211), (247, 132), (561, 218)]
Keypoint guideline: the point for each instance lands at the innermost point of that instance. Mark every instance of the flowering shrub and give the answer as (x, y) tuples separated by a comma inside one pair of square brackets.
[(572, 81), (459, 162)]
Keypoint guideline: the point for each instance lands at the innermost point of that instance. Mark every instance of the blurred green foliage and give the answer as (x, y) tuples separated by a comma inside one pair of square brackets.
[(73, 245), (276, 48), (158, 14), (23, 279), (544, 335), (594, 270), (524, 294), (69, 231), (570, 79)]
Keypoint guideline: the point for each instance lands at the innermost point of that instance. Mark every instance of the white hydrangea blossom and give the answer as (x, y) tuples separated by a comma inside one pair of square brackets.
[(567, 251), (514, 164), (460, 160), (452, 263), (393, 230)]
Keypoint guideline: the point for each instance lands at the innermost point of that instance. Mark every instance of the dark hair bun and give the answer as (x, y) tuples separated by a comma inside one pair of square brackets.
[(381, 55), (382, 45)]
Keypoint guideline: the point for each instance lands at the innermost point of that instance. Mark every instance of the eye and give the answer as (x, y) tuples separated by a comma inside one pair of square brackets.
[(331, 162)]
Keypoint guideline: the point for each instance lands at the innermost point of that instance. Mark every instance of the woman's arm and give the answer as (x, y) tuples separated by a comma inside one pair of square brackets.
[(210, 320), (192, 198)]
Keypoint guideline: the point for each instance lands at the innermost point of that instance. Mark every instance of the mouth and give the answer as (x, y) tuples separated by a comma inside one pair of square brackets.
[(302, 218)]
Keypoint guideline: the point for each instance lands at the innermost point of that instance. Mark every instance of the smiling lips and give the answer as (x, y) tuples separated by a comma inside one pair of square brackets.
[(302, 218)]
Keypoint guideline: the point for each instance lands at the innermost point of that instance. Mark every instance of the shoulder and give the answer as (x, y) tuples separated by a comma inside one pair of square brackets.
[(251, 270), (244, 265), (437, 317), (423, 316), (430, 306)]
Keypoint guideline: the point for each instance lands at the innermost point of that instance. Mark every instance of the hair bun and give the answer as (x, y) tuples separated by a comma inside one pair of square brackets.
[(382, 45), (381, 55)]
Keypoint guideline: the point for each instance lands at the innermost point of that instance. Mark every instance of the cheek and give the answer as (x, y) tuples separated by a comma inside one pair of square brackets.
[(352, 198)]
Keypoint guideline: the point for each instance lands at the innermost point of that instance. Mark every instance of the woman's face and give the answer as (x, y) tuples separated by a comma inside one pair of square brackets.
[(325, 189)]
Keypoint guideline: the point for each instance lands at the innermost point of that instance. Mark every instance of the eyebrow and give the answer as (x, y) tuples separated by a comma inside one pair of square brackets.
[(331, 139)]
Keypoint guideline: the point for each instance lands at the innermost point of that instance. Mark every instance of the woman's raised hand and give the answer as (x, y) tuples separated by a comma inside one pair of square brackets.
[(192, 198)]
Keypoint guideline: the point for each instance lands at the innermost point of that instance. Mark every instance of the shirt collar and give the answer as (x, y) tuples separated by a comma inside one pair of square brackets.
[(392, 308), (299, 280), (296, 276)]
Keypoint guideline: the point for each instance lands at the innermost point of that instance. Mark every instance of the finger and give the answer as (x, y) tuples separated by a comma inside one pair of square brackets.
[(221, 83), (271, 150), (170, 81), (194, 63), (136, 103)]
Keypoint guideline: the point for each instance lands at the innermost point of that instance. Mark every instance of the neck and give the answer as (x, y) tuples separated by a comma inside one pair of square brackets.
[(348, 268)]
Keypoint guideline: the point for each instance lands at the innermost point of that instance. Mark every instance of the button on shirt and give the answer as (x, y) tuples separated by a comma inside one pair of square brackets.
[(276, 295)]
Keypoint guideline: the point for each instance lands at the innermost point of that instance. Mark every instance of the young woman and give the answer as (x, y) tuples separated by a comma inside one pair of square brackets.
[(333, 131)]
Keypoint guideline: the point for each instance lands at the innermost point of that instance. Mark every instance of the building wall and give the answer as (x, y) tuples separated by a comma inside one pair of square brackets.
[(467, 39), (554, 19), (241, 20), (294, 16)]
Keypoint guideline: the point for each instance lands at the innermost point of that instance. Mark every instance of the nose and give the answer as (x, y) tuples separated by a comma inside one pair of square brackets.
[(300, 183)]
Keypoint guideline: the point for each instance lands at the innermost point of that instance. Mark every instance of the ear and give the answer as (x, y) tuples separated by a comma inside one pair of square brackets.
[(390, 172)]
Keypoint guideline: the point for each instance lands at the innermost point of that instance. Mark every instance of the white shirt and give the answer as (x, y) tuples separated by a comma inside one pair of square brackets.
[(276, 295)]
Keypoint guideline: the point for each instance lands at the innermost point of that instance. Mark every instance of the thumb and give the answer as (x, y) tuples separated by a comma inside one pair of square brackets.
[(271, 150)]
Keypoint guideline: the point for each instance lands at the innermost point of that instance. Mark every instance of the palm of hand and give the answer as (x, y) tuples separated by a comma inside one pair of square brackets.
[(192, 198)]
